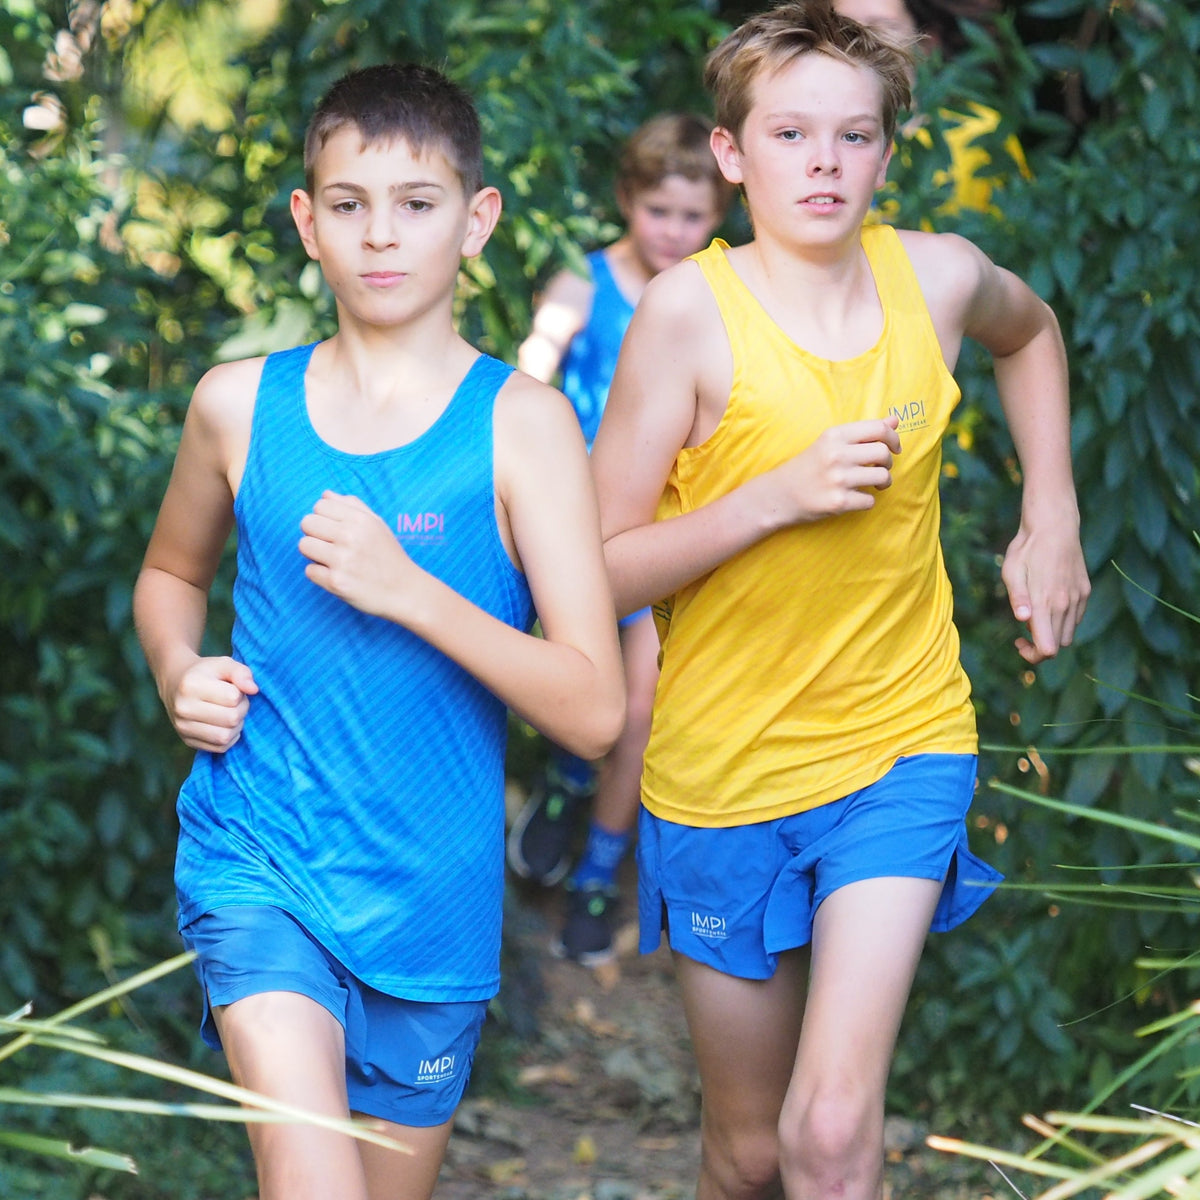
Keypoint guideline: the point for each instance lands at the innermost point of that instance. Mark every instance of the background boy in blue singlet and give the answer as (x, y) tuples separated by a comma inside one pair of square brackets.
[(672, 197), (768, 473), (404, 505)]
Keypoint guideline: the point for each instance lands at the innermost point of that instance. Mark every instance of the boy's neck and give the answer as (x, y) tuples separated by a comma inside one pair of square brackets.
[(629, 271), (368, 395), (824, 298)]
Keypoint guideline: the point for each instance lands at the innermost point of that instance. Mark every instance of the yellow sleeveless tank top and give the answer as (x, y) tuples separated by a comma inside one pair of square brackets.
[(802, 668)]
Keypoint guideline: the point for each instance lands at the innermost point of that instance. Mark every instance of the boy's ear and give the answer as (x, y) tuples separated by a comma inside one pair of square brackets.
[(483, 212), (727, 154), (302, 214)]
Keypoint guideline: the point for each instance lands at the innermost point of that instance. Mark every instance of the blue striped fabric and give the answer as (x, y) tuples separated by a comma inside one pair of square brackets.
[(365, 796), (591, 358)]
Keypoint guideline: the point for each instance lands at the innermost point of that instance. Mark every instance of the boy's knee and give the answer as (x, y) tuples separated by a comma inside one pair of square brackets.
[(829, 1136), (742, 1166)]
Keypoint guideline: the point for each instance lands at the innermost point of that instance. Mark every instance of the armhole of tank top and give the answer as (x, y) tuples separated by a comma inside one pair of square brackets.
[(712, 269), (605, 286), (257, 419), (497, 377), (908, 291)]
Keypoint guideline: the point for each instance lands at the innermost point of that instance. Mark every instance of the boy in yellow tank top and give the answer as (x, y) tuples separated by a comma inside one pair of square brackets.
[(768, 468)]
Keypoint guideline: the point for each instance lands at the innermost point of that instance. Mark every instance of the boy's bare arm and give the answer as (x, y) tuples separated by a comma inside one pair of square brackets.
[(206, 698), (568, 683), (1043, 570), (670, 390), (561, 313)]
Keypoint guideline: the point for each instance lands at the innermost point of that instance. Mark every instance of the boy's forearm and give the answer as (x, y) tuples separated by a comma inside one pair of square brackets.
[(1033, 388), (648, 562), (575, 696), (169, 615)]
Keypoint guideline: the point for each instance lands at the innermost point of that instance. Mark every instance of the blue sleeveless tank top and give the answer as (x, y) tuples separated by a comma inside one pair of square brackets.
[(366, 794), (591, 358)]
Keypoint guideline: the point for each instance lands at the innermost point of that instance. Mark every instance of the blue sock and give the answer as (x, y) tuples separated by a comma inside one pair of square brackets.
[(574, 772), (601, 856)]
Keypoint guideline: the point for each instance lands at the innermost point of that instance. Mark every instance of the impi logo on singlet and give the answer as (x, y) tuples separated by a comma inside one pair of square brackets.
[(911, 416), (421, 527)]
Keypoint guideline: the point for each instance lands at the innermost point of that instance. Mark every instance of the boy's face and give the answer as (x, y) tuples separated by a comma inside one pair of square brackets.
[(891, 16), (812, 152), (668, 222), (390, 227)]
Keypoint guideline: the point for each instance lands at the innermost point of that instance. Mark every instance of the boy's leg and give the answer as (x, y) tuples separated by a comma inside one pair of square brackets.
[(587, 934), (291, 1048), (619, 790), (744, 1034), (392, 1176), (867, 940)]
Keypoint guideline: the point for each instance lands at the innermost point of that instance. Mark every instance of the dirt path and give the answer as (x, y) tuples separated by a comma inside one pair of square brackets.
[(609, 1101)]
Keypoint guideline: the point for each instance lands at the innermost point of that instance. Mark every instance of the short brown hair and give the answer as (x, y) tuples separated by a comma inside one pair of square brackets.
[(771, 40), (671, 144), (401, 100)]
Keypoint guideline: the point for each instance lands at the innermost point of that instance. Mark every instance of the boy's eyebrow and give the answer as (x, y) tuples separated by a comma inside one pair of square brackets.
[(407, 185), (855, 119)]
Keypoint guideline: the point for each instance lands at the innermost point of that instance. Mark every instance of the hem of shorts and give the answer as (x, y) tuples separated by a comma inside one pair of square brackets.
[(402, 988), (963, 912), (775, 812), (418, 1121), (303, 987), (776, 948)]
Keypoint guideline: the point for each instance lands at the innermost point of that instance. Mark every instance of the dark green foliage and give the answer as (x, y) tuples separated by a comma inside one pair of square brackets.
[(1101, 230), (87, 765)]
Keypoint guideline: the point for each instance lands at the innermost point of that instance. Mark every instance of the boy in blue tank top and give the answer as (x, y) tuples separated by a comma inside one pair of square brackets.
[(404, 507), (671, 197), (769, 480)]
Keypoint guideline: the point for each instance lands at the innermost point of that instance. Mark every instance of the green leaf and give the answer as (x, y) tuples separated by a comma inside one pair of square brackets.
[(52, 1148)]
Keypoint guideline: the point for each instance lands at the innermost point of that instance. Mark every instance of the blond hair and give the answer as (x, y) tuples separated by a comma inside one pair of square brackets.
[(670, 144), (766, 43)]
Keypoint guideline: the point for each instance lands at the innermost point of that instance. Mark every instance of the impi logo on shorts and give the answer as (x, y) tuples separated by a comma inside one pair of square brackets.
[(436, 1070), (709, 926)]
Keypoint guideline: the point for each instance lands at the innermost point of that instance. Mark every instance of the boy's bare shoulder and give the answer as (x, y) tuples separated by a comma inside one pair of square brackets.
[(949, 267), (677, 297), (570, 289), (528, 409), (225, 393), (941, 252)]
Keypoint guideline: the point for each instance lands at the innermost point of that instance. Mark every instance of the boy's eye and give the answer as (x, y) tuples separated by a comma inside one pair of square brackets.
[(856, 137), (347, 206), (417, 205), (790, 135)]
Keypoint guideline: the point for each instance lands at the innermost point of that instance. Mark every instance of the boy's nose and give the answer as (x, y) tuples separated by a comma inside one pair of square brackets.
[(825, 160), (381, 229)]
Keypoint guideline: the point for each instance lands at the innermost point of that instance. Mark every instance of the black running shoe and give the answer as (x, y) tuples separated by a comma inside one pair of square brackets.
[(587, 936), (539, 842)]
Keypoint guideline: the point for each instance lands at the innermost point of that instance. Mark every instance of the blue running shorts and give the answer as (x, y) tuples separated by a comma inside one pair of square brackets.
[(406, 1061), (734, 897)]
